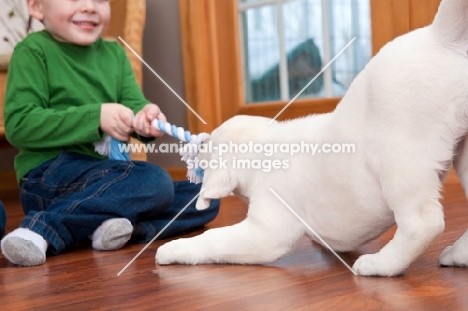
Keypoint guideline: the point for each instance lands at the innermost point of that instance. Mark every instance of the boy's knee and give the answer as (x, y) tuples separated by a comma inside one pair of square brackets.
[(157, 181)]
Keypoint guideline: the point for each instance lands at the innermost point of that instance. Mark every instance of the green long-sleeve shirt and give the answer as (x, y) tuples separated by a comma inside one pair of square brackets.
[(54, 95)]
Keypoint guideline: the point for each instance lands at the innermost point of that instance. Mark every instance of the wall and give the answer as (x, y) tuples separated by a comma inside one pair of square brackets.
[(6, 159), (162, 51)]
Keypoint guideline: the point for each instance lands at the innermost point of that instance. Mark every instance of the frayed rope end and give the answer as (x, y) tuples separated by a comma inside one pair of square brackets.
[(189, 154), (103, 147)]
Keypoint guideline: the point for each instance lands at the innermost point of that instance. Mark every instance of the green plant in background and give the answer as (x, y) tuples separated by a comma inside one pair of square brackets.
[(13, 11)]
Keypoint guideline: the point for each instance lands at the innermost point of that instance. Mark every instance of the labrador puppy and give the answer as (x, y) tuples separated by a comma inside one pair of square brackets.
[(406, 114)]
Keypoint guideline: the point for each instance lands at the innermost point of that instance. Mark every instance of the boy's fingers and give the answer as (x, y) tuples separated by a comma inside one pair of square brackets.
[(125, 126), (127, 119), (140, 125), (162, 117), (155, 133), (135, 121), (144, 127), (121, 137), (139, 120)]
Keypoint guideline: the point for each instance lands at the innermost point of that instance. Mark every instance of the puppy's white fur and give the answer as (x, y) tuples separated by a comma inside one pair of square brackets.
[(406, 113)]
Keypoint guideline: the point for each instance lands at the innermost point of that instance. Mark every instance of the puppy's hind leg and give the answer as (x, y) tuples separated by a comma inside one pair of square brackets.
[(457, 254), (412, 193), (268, 232)]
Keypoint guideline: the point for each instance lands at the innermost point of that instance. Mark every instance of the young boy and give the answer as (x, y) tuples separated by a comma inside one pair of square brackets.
[(66, 89)]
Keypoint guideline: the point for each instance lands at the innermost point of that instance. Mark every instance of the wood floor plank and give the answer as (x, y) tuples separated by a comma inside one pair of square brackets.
[(309, 278)]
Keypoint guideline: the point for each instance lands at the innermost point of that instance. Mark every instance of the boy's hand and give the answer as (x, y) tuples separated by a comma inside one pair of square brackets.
[(116, 121), (143, 119)]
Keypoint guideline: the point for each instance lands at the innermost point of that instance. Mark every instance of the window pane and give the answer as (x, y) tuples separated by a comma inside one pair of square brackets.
[(349, 19), (313, 33), (304, 48), (261, 54)]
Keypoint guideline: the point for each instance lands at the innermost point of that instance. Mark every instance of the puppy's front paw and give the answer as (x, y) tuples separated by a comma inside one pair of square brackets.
[(454, 257), (376, 265), (170, 253), (181, 251)]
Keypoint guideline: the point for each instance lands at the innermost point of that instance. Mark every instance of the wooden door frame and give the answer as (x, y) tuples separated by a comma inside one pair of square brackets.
[(213, 66)]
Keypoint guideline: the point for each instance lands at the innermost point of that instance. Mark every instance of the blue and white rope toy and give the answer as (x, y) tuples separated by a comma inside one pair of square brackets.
[(189, 153)]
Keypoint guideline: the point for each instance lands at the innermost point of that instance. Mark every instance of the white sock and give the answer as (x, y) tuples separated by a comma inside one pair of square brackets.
[(112, 234), (24, 247)]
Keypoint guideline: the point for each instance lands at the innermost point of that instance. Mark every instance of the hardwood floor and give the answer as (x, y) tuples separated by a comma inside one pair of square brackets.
[(309, 278)]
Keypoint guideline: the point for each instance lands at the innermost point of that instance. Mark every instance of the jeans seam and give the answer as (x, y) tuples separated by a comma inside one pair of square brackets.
[(35, 220), (37, 198), (65, 189), (100, 190), (153, 231)]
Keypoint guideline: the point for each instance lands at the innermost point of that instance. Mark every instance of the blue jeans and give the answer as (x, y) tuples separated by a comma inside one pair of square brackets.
[(67, 198), (2, 220)]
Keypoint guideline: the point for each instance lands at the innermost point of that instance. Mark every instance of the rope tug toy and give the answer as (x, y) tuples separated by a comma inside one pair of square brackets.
[(189, 153)]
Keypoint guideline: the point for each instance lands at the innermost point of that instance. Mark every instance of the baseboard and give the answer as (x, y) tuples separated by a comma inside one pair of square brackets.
[(8, 185), (177, 173)]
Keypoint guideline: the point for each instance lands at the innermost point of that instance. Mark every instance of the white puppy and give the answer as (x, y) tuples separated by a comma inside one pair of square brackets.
[(406, 114)]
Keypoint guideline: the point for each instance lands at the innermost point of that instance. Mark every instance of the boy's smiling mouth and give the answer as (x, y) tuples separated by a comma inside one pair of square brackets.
[(85, 25)]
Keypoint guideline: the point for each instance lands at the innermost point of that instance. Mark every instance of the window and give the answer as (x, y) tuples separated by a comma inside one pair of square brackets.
[(286, 43), (217, 84)]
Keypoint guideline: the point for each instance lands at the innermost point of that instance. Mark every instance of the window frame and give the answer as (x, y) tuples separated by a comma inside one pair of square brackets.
[(213, 73)]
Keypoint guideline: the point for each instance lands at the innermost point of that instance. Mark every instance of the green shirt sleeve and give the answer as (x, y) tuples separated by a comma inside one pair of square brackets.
[(29, 121), (131, 94)]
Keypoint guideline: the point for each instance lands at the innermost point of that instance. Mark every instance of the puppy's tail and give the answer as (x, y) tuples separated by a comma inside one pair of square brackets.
[(451, 22)]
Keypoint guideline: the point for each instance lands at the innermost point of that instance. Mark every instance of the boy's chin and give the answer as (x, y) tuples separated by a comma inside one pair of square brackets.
[(79, 39), (84, 43), (85, 40)]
